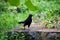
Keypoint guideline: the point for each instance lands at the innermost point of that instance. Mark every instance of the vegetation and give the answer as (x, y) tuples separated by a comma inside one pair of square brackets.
[(13, 11)]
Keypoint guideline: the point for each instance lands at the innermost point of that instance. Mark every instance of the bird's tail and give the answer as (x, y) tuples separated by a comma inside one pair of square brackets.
[(20, 22)]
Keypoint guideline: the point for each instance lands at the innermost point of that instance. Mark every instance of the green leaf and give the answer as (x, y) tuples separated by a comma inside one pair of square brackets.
[(31, 6), (38, 0), (14, 2)]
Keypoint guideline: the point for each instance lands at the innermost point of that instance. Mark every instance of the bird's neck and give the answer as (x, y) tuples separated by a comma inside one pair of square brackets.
[(30, 17)]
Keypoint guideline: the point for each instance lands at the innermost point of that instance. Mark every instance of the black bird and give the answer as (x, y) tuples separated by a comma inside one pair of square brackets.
[(27, 21)]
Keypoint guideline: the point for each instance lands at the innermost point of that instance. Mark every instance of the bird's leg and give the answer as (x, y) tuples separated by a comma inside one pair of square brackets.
[(28, 25), (24, 27)]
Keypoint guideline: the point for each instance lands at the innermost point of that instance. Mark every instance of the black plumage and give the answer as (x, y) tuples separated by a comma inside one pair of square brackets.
[(27, 21)]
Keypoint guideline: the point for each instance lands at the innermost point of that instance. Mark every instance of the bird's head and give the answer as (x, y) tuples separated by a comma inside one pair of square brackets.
[(30, 15)]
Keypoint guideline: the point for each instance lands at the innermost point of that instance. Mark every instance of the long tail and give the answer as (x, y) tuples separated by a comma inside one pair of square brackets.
[(20, 22)]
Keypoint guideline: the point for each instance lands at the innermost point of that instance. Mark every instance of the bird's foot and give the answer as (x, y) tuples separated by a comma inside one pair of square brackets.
[(28, 28)]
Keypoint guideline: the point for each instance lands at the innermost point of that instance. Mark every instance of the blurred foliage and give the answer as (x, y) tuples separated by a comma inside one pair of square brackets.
[(14, 2), (7, 21), (31, 6), (47, 11), (15, 36), (3, 6)]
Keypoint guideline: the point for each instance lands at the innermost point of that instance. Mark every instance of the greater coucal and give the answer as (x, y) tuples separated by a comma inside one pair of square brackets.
[(27, 21)]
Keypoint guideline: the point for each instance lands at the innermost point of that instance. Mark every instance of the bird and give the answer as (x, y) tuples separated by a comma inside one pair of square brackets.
[(28, 21)]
